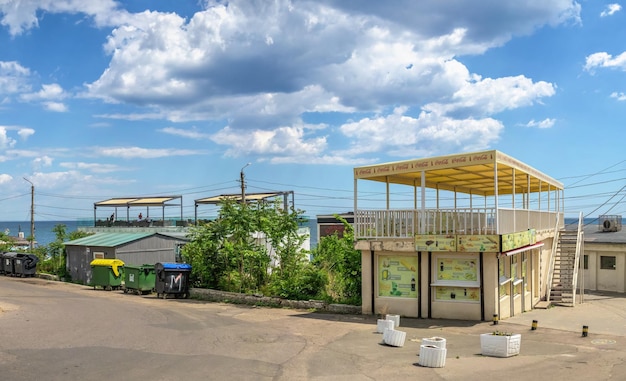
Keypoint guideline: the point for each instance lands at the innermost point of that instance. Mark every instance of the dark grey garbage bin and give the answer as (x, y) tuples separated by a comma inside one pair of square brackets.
[(8, 260), (172, 279), (25, 265)]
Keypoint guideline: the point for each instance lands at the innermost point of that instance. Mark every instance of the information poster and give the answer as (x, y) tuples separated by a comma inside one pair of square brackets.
[(520, 239), (434, 243), (457, 269), (397, 276), (471, 294), (478, 243)]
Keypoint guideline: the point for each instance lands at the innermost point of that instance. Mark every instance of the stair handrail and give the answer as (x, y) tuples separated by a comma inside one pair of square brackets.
[(555, 242), (579, 241)]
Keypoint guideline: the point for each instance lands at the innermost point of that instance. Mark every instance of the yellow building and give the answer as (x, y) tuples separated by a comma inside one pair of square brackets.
[(464, 236)]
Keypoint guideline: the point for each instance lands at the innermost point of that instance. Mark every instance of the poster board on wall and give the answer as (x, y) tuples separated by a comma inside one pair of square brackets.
[(435, 243), (478, 243), (519, 239), (397, 276)]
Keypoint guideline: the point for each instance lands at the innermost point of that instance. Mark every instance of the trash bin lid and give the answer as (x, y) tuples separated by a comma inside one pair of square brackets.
[(176, 266), (112, 263)]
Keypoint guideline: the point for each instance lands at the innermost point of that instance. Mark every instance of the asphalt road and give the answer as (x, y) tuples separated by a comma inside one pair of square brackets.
[(58, 331)]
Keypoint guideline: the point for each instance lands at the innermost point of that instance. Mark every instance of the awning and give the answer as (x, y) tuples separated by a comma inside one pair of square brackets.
[(237, 197), (521, 249)]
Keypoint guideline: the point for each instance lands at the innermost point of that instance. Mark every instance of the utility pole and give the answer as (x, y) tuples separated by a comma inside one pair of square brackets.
[(32, 214), (243, 184)]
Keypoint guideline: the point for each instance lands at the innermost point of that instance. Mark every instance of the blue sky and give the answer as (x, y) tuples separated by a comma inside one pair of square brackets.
[(104, 98)]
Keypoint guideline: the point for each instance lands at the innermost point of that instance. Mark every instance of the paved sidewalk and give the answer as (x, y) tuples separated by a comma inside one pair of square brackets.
[(601, 312)]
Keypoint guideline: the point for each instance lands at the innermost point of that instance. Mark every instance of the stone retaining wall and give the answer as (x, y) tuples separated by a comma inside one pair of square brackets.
[(259, 300)]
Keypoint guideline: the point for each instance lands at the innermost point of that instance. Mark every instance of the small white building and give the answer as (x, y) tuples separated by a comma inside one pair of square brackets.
[(604, 261)]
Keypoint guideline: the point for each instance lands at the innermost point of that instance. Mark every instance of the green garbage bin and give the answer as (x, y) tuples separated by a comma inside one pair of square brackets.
[(107, 273), (139, 279)]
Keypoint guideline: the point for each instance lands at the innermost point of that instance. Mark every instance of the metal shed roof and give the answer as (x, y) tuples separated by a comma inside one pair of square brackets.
[(475, 173), (108, 239)]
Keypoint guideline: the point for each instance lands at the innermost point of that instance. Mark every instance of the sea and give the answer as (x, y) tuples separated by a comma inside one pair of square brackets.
[(44, 233)]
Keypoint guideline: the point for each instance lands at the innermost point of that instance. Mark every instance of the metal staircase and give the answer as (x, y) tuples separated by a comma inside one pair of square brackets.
[(565, 263)]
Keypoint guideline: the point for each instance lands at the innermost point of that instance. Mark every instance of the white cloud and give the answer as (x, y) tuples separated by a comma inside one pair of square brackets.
[(49, 95), (238, 64), (43, 161), (142, 153), (605, 60), (5, 140), (619, 96), (5, 179), (24, 133), (610, 10), (546, 123), (160, 60), (94, 167), (478, 96), (429, 133), (55, 106), (21, 16), (51, 180), (191, 134), (13, 78), (289, 143), (47, 92)]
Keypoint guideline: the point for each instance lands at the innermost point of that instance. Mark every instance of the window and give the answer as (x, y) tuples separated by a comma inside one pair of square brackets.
[(586, 262), (457, 278), (525, 271), (98, 255), (607, 263), (504, 278)]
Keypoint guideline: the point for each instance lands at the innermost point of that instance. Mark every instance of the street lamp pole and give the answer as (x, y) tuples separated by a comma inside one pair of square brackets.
[(32, 213), (243, 184)]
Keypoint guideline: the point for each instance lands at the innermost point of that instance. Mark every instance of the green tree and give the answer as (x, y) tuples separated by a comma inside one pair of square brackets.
[(236, 251), (292, 275), (52, 257), (6, 242), (341, 264), (224, 253)]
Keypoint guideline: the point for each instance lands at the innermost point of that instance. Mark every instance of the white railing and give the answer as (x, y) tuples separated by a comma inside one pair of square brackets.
[(555, 245), (407, 223), (579, 249), (516, 220)]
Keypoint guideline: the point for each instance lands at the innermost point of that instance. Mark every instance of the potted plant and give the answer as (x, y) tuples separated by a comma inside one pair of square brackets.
[(500, 344), (382, 321)]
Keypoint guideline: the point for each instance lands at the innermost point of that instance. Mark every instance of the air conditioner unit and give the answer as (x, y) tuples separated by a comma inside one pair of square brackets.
[(610, 223)]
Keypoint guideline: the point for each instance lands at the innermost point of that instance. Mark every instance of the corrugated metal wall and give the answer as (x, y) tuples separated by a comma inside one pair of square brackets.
[(79, 258), (148, 251)]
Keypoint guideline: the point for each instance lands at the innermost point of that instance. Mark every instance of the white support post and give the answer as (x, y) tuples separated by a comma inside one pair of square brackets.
[(495, 193), (513, 201), (423, 186)]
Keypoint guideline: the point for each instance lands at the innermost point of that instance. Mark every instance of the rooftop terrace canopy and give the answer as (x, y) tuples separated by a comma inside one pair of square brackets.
[(214, 200), (472, 173), (129, 202)]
